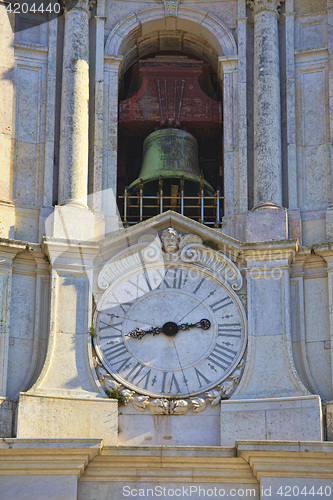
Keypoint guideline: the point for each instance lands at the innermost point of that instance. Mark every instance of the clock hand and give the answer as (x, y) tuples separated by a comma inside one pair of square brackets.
[(203, 323), (138, 333), (112, 316), (169, 328), (201, 302), (184, 378)]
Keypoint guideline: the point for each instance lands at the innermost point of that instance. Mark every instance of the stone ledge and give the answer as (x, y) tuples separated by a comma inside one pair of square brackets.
[(47, 456), (185, 464), (289, 459), (272, 418)]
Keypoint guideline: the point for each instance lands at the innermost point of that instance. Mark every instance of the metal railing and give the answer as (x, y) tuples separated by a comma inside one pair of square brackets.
[(205, 209)]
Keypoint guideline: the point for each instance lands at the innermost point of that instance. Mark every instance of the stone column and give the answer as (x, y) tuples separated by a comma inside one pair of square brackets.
[(267, 106), (228, 69), (73, 169), (47, 208), (113, 67), (242, 22), (7, 208), (294, 218), (329, 213)]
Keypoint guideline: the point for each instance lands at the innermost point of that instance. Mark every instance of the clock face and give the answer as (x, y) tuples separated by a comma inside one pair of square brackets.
[(170, 331)]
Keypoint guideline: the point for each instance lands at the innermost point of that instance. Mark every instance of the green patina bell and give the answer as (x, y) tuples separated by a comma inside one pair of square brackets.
[(171, 155)]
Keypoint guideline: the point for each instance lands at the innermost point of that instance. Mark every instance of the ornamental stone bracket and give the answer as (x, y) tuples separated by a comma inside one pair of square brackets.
[(170, 247), (168, 405), (171, 8), (259, 5)]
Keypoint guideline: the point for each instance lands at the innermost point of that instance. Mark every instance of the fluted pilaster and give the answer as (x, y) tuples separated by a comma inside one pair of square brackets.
[(267, 105), (73, 170)]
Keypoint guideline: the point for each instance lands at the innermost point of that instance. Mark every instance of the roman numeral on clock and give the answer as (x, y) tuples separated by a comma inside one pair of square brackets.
[(143, 287), (221, 356), (169, 280), (114, 351), (173, 382), (220, 304), (134, 373), (201, 282), (110, 326), (177, 278), (229, 330), (201, 376)]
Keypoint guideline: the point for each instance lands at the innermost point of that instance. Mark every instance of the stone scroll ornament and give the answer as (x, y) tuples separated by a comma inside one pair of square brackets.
[(213, 348), (171, 247)]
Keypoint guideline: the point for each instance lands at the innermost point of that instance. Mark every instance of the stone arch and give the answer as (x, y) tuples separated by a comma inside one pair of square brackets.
[(197, 32)]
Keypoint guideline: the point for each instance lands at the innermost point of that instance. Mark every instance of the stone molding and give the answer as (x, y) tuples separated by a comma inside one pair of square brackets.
[(131, 27), (67, 456), (262, 5), (170, 464), (292, 459), (151, 250), (90, 461), (172, 405)]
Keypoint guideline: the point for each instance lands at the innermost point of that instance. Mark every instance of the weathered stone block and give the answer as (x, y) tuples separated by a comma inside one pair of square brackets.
[(329, 421), (272, 419), (294, 225), (265, 223), (329, 224), (6, 417), (67, 418)]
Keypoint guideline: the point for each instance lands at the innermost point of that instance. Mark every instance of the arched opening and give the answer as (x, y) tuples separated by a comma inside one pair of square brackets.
[(170, 90), (171, 82)]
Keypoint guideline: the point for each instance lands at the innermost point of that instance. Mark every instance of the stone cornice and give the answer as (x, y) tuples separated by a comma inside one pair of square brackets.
[(47, 456), (170, 464), (277, 251), (262, 5), (130, 236), (288, 458)]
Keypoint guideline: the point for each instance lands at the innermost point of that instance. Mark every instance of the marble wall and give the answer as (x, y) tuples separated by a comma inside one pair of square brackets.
[(31, 77)]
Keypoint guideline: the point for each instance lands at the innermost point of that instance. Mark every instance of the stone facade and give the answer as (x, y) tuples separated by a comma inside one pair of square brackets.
[(63, 244)]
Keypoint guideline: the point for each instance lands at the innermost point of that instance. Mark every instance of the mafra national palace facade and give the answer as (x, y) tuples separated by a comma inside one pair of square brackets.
[(166, 249)]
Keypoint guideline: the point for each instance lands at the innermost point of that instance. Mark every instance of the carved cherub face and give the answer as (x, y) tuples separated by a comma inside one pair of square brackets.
[(170, 240)]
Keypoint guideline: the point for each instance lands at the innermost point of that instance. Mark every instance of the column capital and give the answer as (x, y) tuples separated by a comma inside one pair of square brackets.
[(260, 5), (86, 5)]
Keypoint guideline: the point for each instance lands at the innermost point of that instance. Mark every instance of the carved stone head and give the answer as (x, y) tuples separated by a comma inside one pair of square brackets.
[(170, 240)]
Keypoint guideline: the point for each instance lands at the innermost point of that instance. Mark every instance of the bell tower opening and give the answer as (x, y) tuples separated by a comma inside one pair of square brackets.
[(170, 139)]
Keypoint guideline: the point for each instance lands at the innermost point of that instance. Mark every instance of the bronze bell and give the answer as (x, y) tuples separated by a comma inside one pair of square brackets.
[(170, 154)]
